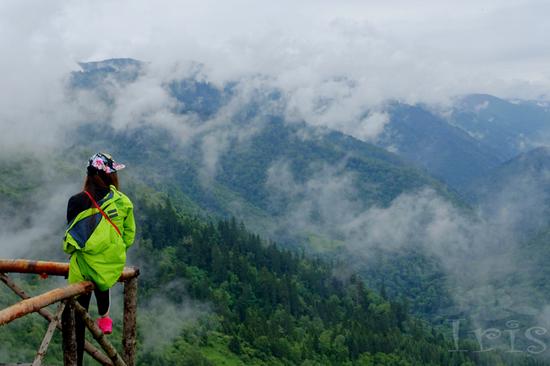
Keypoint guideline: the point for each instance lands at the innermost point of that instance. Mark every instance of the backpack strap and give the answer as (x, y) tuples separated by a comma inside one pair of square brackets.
[(103, 213)]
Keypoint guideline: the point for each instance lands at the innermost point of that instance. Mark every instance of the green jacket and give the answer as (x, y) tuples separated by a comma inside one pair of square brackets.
[(98, 252)]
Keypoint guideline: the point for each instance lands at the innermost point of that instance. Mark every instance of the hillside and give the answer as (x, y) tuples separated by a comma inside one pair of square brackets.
[(527, 171), (335, 204), (289, 181), (261, 305), (429, 141), (277, 307), (273, 306), (507, 127), (228, 162)]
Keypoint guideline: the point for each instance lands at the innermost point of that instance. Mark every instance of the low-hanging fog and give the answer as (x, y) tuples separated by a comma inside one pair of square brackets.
[(351, 54)]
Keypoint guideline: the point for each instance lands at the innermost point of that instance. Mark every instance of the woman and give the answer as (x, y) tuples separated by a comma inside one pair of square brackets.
[(100, 229)]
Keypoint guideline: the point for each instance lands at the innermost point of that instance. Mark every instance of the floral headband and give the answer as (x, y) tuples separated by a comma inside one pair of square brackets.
[(105, 162)]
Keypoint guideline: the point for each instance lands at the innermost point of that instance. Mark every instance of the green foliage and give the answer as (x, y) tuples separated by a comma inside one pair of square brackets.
[(16, 182), (409, 274), (274, 306), (269, 306)]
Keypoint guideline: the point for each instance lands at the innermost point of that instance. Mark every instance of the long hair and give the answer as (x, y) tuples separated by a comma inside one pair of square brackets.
[(98, 179)]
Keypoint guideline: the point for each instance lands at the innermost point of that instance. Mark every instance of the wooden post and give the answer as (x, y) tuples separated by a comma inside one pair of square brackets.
[(48, 336), (129, 330), (99, 336), (68, 326), (88, 347)]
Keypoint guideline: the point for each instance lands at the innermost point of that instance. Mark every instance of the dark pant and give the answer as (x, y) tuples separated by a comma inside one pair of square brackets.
[(103, 303)]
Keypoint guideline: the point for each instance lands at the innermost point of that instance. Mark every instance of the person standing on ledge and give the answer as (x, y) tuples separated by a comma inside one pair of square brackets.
[(101, 228)]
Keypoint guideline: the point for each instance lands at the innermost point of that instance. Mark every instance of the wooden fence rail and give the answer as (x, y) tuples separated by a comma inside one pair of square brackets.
[(64, 318), (36, 303), (51, 268), (88, 347)]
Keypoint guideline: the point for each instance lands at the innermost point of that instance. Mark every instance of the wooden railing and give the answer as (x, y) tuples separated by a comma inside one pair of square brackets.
[(68, 308)]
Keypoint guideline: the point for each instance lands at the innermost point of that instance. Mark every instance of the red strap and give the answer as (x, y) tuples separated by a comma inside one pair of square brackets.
[(103, 213)]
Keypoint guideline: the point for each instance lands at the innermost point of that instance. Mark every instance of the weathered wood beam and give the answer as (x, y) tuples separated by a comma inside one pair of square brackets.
[(99, 336), (51, 268), (19, 291), (129, 328), (88, 347), (36, 303), (48, 336), (68, 325)]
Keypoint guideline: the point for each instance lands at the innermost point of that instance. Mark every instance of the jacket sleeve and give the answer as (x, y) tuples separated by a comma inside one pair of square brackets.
[(129, 228)]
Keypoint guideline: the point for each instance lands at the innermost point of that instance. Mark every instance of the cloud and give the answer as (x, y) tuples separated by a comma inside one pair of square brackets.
[(479, 250), (32, 225), (335, 65), (331, 60), (165, 319)]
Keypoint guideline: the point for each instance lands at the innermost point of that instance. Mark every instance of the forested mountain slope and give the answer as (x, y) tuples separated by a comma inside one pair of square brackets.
[(429, 141), (347, 215), (508, 127), (211, 292), (277, 307), (266, 306), (238, 156), (247, 161), (466, 140), (532, 165)]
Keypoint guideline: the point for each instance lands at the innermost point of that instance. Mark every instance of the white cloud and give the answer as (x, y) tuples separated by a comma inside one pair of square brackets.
[(479, 250), (423, 51), (373, 125)]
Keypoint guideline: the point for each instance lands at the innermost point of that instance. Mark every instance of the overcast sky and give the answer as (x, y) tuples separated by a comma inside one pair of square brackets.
[(492, 43), (409, 50)]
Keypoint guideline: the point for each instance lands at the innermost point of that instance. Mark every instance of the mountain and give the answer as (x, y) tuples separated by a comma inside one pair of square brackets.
[(225, 156), (294, 183), (274, 307), (429, 141), (532, 168), (303, 186), (507, 127), (225, 166), (228, 151), (221, 151), (517, 195), (479, 133), (211, 293), (107, 72)]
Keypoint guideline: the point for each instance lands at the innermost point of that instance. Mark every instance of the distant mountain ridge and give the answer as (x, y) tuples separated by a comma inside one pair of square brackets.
[(510, 127), (429, 141), (532, 166), (96, 74), (479, 133), (245, 164)]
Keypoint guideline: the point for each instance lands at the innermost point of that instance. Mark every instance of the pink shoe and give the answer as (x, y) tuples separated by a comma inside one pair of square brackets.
[(105, 324)]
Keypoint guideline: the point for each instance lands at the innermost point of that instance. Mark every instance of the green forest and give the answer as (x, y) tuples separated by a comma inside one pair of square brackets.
[(276, 307), (265, 305)]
